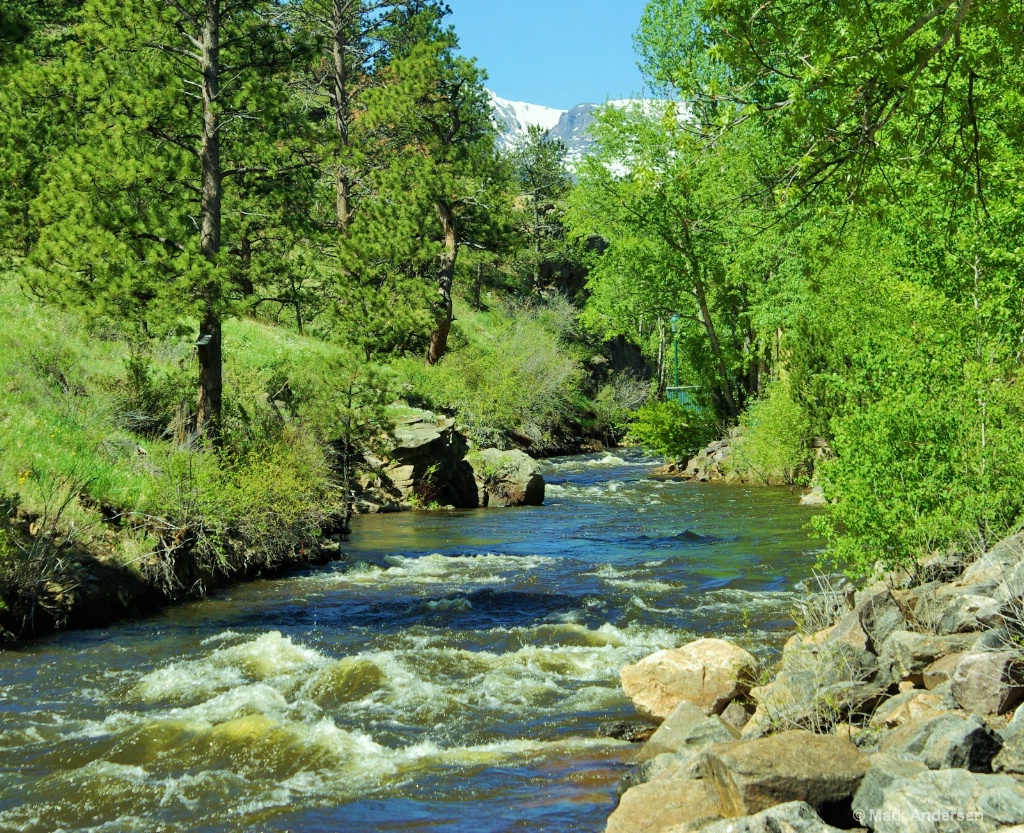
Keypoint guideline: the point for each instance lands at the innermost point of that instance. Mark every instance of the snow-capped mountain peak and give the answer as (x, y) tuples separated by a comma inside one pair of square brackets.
[(514, 118)]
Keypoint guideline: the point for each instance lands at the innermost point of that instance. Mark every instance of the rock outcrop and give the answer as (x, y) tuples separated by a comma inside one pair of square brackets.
[(506, 478), (428, 462)]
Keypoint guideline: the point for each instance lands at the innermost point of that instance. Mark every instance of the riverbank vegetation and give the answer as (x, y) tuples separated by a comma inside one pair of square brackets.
[(826, 202), (237, 236)]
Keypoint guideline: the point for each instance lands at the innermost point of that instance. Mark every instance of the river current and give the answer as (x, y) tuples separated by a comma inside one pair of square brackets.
[(452, 675)]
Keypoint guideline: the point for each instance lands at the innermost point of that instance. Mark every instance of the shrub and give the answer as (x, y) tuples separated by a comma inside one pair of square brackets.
[(774, 442), (671, 429), (935, 461), (517, 375), (239, 513), (617, 401)]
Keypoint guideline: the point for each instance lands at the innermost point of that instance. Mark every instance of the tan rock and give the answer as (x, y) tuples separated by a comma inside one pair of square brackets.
[(906, 707), (941, 671), (823, 770), (710, 673), (661, 804), (991, 682)]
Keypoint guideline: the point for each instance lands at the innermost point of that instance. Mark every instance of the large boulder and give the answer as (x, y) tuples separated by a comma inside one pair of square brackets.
[(660, 805), (710, 673), (989, 682), (993, 567), (914, 652), (945, 740), (968, 612), (944, 801), (884, 771), (821, 682), (823, 770), (686, 731), (880, 614), (1011, 756), (506, 478), (791, 817), (426, 461)]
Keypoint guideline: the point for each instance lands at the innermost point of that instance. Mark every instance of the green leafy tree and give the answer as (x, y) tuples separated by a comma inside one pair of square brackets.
[(671, 208)]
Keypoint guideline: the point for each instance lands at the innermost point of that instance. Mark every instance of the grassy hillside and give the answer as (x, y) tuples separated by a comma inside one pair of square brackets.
[(91, 459)]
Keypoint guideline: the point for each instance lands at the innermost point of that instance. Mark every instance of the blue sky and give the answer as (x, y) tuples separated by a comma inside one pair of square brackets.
[(553, 52)]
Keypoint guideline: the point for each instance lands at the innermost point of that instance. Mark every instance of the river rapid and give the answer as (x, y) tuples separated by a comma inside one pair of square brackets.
[(452, 675)]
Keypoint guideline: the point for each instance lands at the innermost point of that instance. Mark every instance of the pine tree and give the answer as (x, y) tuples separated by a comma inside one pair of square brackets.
[(436, 134), (184, 102)]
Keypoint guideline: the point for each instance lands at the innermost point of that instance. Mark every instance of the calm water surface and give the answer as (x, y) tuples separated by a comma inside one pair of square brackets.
[(451, 676)]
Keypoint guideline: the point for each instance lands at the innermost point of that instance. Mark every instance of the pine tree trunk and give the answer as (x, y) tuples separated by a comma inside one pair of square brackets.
[(339, 45), (208, 408), (439, 338)]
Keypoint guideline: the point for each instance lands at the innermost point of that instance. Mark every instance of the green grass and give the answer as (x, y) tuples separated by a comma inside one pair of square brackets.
[(62, 426)]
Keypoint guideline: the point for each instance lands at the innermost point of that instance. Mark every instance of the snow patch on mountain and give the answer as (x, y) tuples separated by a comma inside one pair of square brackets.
[(515, 118)]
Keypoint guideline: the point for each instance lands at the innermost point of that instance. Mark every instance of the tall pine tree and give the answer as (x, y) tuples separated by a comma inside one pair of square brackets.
[(184, 100)]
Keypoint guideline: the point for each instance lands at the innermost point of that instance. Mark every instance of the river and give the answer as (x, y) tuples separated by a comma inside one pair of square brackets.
[(452, 675)]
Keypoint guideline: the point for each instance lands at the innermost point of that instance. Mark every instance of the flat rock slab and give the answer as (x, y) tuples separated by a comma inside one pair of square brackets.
[(709, 673), (909, 706), (686, 730), (822, 770)]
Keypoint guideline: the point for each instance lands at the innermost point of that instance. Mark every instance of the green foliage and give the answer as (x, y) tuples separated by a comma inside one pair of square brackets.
[(671, 429), (668, 203), (511, 373), (775, 441), (617, 401), (248, 511)]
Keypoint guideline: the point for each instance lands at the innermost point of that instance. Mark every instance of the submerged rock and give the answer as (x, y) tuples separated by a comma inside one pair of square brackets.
[(631, 731)]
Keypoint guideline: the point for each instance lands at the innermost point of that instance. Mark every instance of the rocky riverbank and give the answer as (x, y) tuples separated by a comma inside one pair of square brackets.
[(893, 709)]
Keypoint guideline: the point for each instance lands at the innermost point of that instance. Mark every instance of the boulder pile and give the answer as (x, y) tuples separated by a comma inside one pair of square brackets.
[(902, 712), (429, 462)]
